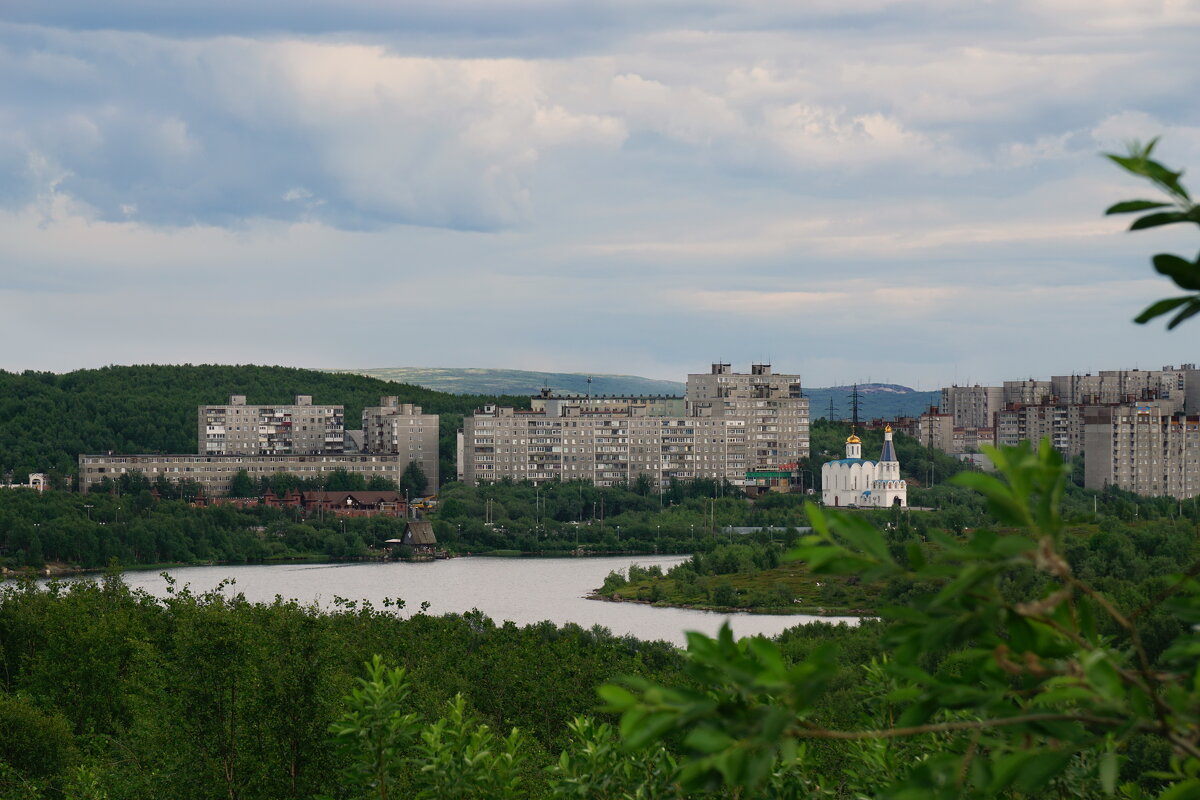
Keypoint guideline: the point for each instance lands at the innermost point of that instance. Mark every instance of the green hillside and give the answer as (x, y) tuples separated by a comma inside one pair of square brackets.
[(47, 420), (876, 401), (519, 382)]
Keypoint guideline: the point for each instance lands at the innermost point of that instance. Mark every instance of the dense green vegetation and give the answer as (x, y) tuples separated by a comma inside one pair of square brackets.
[(48, 420), (108, 693), (89, 531)]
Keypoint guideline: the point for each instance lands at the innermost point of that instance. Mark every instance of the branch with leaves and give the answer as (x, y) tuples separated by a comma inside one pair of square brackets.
[(1177, 208)]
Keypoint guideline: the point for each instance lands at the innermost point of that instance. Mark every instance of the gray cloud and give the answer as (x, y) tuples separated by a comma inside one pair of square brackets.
[(873, 188)]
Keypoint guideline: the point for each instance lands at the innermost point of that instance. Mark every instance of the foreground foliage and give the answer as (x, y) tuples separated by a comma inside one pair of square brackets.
[(983, 694)]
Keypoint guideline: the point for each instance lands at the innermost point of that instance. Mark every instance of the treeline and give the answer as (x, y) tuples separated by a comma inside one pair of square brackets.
[(47, 420), (90, 531), (563, 516)]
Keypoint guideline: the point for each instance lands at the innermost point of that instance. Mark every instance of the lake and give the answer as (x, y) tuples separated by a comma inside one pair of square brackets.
[(523, 590)]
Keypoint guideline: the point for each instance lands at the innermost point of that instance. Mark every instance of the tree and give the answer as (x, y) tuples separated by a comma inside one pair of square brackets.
[(242, 485), (413, 481), (1185, 274)]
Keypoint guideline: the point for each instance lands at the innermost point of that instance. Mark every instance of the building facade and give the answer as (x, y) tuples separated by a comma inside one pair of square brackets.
[(731, 424), (301, 439), (403, 429), (216, 473), (1148, 448), (299, 428)]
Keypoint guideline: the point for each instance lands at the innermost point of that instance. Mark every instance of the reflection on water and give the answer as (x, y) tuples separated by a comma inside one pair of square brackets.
[(523, 590)]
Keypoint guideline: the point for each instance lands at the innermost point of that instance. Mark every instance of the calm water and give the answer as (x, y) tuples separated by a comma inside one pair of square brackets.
[(523, 590)]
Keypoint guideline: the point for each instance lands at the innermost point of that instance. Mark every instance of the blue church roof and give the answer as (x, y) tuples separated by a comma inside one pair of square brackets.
[(851, 461), (889, 452)]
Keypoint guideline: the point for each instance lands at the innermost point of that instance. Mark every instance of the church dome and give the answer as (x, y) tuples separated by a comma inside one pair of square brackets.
[(853, 440)]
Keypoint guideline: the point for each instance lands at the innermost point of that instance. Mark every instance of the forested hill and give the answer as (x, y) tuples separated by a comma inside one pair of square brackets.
[(47, 420)]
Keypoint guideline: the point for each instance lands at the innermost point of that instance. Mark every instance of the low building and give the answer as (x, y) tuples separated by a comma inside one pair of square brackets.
[(355, 504), (37, 481), (216, 473)]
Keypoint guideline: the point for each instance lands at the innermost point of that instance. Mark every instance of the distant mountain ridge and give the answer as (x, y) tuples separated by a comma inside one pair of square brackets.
[(517, 381), (877, 400)]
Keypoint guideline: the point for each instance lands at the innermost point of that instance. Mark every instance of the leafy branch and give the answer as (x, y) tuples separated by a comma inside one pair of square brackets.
[(1185, 274)]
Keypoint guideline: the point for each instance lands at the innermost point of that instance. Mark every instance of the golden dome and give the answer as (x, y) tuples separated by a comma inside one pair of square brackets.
[(853, 440), (887, 429)]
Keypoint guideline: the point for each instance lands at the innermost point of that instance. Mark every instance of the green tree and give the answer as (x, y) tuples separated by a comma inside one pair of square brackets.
[(413, 481), (242, 485)]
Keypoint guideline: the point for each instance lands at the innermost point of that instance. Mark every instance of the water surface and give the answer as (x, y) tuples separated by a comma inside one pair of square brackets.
[(523, 590)]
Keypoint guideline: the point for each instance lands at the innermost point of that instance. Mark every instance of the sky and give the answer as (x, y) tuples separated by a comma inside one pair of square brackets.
[(852, 190)]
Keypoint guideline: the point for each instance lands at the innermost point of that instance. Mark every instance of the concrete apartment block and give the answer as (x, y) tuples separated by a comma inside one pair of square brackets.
[(403, 429), (722, 429), (300, 439), (215, 473), (1148, 448), (271, 430), (972, 406)]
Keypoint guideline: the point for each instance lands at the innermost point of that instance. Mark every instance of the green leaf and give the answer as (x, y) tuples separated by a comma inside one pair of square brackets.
[(1108, 772), (1155, 220), (616, 698), (1039, 770), (1187, 790), (708, 740), (1189, 312), (1185, 273), (1134, 205), (1160, 308)]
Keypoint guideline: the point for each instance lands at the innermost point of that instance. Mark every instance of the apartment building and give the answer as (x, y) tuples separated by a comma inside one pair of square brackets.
[(768, 411), (300, 428), (1126, 385), (403, 429), (300, 439), (1061, 422), (1149, 448), (729, 427), (972, 406), (631, 405), (216, 473)]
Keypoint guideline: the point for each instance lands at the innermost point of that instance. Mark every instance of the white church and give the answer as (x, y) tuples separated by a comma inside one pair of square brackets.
[(855, 481)]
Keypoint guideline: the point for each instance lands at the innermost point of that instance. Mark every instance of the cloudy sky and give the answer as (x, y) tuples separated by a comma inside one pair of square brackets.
[(850, 189)]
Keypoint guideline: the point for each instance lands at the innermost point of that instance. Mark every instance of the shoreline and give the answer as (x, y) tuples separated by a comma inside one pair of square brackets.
[(810, 611)]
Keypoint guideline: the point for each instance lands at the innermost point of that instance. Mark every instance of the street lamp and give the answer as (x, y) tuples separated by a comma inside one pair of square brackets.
[(89, 508)]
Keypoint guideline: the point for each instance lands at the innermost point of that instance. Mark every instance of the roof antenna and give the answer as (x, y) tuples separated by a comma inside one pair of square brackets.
[(589, 383)]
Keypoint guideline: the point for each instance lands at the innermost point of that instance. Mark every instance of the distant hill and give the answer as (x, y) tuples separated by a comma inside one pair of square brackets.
[(516, 381), (878, 400)]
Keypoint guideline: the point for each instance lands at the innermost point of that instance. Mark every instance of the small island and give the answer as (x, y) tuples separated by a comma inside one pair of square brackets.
[(744, 576)]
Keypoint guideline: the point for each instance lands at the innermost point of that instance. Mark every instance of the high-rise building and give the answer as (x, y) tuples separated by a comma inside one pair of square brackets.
[(972, 406), (1149, 448), (299, 428), (401, 428)]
